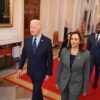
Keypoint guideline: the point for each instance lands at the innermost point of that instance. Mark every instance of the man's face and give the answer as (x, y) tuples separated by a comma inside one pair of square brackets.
[(35, 27), (98, 29)]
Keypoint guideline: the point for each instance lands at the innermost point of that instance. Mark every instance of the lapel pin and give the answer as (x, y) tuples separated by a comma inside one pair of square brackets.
[(79, 57), (41, 40)]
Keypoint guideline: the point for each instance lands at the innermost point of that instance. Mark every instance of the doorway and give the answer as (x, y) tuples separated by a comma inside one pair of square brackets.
[(31, 11)]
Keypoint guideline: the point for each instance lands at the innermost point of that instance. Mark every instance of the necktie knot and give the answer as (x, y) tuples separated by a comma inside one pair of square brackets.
[(34, 39)]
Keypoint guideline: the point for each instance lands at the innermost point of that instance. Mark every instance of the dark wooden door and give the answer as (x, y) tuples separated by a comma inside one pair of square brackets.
[(31, 11)]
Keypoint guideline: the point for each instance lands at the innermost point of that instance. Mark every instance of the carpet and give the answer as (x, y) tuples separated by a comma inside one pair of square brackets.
[(48, 87)]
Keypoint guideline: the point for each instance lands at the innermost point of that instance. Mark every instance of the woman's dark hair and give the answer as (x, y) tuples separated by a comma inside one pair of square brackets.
[(65, 42), (98, 24), (81, 45)]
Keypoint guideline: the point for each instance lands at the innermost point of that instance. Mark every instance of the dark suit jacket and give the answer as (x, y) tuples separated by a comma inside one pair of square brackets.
[(94, 50), (40, 64), (76, 77)]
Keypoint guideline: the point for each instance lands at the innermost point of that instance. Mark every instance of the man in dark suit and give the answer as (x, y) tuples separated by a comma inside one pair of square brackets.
[(38, 51), (93, 44)]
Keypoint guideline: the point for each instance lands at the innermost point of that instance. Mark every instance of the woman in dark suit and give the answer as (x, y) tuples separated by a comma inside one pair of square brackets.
[(74, 68)]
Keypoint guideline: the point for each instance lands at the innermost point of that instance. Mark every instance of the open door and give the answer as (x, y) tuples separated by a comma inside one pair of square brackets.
[(31, 11)]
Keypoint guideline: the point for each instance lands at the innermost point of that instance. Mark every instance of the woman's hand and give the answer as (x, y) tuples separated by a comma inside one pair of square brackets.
[(57, 86), (84, 93)]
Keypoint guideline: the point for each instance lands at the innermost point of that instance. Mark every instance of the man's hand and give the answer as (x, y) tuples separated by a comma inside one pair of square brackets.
[(19, 73), (47, 77)]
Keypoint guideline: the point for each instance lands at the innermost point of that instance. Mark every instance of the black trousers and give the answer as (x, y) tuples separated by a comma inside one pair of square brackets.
[(96, 78), (37, 91), (97, 69)]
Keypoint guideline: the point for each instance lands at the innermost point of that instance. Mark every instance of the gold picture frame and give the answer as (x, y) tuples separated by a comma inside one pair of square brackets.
[(6, 13)]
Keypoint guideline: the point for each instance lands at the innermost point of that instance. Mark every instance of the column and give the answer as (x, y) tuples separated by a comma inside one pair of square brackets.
[(49, 16), (62, 18)]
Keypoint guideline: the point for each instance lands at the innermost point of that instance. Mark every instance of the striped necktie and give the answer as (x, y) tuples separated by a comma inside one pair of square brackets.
[(34, 46)]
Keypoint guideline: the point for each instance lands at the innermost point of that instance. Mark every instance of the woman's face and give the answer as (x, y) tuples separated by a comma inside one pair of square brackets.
[(75, 40)]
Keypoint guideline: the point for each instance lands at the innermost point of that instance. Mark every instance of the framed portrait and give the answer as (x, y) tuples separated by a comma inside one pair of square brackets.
[(6, 13)]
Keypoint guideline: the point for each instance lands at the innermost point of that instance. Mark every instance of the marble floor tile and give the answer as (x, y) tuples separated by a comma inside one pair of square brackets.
[(7, 93)]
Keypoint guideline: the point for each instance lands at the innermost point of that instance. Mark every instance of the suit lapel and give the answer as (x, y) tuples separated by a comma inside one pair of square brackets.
[(30, 44), (94, 40), (99, 42), (40, 44), (76, 60), (67, 58)]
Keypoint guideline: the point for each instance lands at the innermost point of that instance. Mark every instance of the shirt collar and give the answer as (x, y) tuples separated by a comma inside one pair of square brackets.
[(37, 37), (98, 35)]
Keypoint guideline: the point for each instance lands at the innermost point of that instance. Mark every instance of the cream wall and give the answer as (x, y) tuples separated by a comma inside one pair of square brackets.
[(62, 18), (95, 14), (69, 13), (54, 14), (49, 16), (15, 33)]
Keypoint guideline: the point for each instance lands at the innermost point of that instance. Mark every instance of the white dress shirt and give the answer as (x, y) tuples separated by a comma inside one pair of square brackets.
[(37, 39), (98, 36)]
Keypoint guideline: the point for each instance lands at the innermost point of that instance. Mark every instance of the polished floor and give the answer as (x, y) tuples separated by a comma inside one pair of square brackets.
[(9, 91)]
